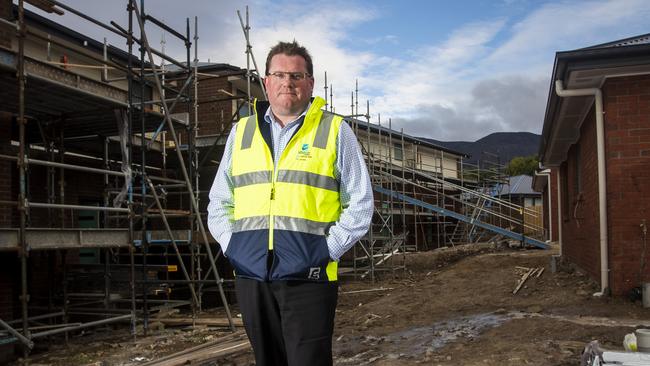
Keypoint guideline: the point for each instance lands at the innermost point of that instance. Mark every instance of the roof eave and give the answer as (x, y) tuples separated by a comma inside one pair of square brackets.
[(605, 59)]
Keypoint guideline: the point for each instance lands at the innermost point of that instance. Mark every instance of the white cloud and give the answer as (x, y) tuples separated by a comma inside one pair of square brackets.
[(570, 25), (486, 76), (427, 93), (475, 84)]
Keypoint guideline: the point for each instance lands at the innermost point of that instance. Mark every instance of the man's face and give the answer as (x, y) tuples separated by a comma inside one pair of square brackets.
[(288, 97)]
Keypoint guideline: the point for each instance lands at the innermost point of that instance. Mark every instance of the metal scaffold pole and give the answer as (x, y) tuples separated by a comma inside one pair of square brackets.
[(415, 208), (403, 191), (356, 92), (250, 57), (188, 183), (144, 246), (129, 178), (196, 249), (325, 87), (192, 158), (171, 237), (22, 198)]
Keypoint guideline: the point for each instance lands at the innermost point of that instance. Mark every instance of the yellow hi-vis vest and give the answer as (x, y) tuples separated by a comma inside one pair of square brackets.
[(287, 209)]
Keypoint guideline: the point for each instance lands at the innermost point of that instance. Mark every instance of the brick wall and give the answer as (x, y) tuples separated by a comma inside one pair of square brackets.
[(80, 188), (8, 261), (6, 32), (7, 169), (9, 269), (9, 292), (627, 129), (627, 149), (212, 116), (579, 187)]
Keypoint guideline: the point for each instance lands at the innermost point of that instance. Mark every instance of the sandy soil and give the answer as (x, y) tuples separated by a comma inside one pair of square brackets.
[(453, 306)]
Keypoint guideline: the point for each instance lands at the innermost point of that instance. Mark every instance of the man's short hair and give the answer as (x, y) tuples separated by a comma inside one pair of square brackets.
[(290, 49)]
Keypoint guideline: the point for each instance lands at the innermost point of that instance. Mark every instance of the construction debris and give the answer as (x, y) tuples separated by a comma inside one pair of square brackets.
[(207, 352), (523, 279), (368, 290), (212, 322)]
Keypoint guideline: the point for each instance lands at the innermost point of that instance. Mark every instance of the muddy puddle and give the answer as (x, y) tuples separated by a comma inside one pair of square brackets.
[(415, 343)]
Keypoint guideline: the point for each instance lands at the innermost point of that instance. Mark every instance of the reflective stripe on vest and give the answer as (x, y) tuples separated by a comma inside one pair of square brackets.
[(303, 185), (282, 223), (302, 194)]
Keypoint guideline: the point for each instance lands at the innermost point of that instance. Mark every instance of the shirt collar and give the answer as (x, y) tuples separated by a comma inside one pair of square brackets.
[(270, 118)]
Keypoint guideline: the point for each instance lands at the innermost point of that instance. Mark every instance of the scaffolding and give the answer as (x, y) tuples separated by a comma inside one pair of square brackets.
[(427, 197), (145, 236)]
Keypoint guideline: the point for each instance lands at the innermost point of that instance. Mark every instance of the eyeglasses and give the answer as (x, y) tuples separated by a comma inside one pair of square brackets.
[(293, 76)]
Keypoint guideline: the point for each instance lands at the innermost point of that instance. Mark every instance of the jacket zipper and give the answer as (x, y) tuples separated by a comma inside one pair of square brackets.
[(274, 179)]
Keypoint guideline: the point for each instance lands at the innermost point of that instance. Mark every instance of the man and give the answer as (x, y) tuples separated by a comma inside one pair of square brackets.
[(291, 195)]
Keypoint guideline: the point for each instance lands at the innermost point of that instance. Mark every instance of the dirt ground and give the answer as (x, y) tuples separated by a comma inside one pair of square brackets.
[(452, 306)]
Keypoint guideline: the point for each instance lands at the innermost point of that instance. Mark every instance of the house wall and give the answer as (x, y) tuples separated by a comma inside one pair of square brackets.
[(8, 261), (415, 156), (36, 48), (214, 117), (553, 206), (77, 64), (627, 148), (7, 169), (6, 32), (437, 160), (9, 292), (579, 187), (627, 134)]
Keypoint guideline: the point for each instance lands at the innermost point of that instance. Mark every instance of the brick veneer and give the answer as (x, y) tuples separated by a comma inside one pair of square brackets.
[(627, 149), (6, 32), (627, 129)]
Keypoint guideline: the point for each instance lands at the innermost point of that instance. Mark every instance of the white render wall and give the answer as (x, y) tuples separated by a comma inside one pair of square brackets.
[(416, 156)]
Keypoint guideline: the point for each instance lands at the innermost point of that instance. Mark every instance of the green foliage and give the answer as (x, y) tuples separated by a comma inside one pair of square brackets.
[(522, 165)]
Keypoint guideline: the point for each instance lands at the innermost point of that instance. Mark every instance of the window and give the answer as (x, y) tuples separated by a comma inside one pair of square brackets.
[(243, 111), (398, 154)]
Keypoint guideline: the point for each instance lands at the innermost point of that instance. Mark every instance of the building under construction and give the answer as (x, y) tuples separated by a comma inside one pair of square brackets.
[(107, 156)]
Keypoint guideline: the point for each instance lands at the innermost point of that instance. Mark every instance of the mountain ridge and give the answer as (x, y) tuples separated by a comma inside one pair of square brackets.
[(497, 147)]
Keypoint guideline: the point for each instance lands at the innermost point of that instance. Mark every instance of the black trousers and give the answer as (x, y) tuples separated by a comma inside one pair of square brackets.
[(289, 323)]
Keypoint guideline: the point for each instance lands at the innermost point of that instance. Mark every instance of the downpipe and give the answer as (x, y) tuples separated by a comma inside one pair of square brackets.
[(547, 173), (602, 188)]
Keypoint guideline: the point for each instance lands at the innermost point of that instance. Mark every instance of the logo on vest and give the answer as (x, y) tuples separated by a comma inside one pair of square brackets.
[(314, 273), (304, 153)]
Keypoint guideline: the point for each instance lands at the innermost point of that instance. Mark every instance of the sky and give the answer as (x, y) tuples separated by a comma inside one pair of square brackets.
[(448, 70)]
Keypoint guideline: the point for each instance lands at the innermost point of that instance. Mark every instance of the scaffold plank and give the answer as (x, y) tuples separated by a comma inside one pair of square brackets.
[(38, 239)]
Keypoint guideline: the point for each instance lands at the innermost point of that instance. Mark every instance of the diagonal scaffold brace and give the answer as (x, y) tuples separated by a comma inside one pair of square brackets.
[(195, 207), (171, 237)]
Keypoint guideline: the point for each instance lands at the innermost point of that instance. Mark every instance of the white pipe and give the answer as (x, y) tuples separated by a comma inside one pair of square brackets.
[(547, 174), (602, 189)]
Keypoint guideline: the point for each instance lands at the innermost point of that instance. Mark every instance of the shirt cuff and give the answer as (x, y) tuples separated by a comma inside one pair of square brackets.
[(336, 244)]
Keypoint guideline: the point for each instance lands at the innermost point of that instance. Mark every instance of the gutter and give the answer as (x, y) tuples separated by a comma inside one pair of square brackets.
[(602, 189)]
